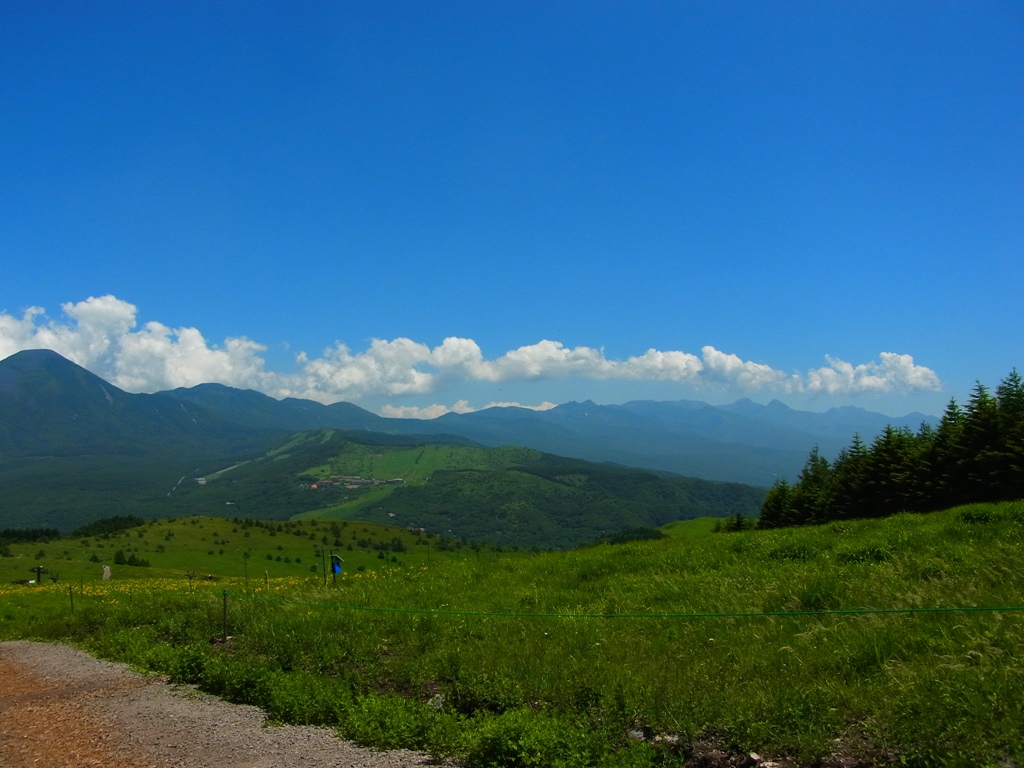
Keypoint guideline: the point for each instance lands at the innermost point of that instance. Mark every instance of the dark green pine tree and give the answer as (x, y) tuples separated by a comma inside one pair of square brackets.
[(1010, 461), (943, 459), (920, 485), (892, 475), (812, 495), (777, 510), (848, 478), (981, 441)]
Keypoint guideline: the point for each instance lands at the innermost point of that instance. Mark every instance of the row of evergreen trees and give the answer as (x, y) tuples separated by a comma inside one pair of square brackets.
[(976, 453)]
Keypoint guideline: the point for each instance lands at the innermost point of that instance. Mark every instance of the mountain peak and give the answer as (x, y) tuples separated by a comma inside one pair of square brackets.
[(36, 354), (35, 373), (28, 359), (575, 405)]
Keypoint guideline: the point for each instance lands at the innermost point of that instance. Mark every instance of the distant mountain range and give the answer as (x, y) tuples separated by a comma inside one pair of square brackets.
[(50, 406), (743, 442), (73, 449)]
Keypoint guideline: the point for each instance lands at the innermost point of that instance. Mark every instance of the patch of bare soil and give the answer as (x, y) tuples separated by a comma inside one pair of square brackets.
[(61, 707)]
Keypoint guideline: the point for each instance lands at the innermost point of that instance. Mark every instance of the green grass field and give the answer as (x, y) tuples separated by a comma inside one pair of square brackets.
[(897, 641), (697, 527), (206, 546), (412, 464)]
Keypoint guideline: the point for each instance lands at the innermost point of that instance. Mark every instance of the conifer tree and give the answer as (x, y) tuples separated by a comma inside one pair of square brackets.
[(812, 496), (1010, 462), (848, 478), (892, 473), (944, 456), (777, 510), (979, 459)]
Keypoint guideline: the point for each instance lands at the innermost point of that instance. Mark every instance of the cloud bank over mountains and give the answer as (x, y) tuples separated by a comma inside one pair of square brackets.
[(102, 335)]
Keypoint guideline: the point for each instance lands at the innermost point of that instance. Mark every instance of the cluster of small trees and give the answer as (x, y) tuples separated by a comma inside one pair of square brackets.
[(976, 453), (10, 536), (109, 525), (14, 535), (131, 559)]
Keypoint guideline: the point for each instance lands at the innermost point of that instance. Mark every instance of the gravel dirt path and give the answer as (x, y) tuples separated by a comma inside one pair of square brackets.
[(61, 707)]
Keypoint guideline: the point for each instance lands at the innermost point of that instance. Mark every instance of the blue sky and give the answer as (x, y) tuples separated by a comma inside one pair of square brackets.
[(423, 205)]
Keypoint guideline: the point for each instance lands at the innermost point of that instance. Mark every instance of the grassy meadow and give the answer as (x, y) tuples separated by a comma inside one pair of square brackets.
[(223, 548), (871, 640)]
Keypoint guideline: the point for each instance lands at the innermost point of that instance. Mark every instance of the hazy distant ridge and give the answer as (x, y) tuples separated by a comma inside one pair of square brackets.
[(741, 442)]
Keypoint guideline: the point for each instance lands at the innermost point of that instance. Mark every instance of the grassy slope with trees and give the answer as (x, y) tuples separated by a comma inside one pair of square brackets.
[(655, 653)]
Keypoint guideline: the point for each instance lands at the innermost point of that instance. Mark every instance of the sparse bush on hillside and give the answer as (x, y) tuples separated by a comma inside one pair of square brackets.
[(132, 559), (630, 534), (733, 524)]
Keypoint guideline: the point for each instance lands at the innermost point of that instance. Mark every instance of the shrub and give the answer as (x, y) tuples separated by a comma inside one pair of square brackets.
[(870, 554), (793, 552)]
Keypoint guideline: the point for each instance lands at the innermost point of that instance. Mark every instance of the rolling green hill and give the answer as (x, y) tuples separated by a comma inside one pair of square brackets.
[(508, 496)]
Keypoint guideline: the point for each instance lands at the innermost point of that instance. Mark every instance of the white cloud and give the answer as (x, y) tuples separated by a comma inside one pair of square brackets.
[(461, 406), (158, 357), (550, 359), (387, 368), (743, 374), (893, 373), (17, 334), (426, 412), (661, 366), (545, 406), (101, 335)]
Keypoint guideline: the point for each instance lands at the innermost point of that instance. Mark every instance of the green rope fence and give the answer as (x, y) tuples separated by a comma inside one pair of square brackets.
[(734, 615)]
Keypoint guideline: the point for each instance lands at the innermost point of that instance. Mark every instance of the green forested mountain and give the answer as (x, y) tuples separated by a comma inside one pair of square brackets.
[(509, 496), (742, 442), (51, 407), (254, 409), (74, 449), (552, 501), (975, 454)]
